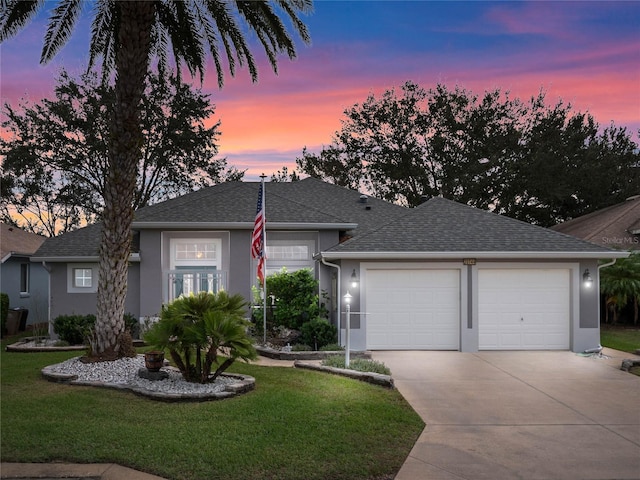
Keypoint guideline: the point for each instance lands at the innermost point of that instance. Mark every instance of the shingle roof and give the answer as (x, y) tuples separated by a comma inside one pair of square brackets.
[(16, 241), (441, 225), (612, 226), (83, 242), (309, 201)]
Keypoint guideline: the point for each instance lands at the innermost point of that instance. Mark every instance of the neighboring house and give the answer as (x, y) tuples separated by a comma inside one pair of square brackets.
[(442, 276), (617, 226), (26, 283)]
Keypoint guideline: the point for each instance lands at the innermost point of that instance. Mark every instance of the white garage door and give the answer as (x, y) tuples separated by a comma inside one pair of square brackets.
[(524, 309), (412, 309)]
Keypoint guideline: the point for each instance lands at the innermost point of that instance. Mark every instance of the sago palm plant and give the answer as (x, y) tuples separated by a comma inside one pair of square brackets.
[(203, 331)]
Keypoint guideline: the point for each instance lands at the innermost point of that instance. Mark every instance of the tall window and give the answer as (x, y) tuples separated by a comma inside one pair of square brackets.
[(194, 265), (24, 277)]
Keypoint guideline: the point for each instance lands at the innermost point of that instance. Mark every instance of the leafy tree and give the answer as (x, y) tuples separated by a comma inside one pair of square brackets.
[(56, 159), (620, 284), (567, 168), (126, 35), (196, 328), (284, 176), (528, 160)]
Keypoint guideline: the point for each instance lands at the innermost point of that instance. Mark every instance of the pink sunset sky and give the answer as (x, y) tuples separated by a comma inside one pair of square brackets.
[(585, 53)]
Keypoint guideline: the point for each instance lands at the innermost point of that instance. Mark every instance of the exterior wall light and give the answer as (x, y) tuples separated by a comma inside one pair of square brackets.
[(354, 279), (586, 278)]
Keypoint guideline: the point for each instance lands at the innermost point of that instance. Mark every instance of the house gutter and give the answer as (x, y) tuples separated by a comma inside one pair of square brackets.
[(133, 257), (333, 265), (242, 225), (606, 265), (469, 254)]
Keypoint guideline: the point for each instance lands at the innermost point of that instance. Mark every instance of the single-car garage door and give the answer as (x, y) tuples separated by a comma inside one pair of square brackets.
[(524, 309), (412, 309)]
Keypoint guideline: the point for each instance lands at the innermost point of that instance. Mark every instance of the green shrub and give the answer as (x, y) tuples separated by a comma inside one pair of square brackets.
[(296, 299), (132, 325), (318, 333), (73, 328), (358, 364), (4, 311), (331, 347), (300, 347), (196, 328)]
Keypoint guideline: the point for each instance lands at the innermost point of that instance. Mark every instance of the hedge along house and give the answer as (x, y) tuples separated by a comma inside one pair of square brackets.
[(441, 276)]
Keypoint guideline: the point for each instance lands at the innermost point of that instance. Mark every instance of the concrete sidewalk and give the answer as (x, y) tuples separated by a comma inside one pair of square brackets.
[(68, 471), (520, 415)]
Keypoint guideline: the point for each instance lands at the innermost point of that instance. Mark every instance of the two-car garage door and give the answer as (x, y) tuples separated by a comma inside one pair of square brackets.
[(420, 309)]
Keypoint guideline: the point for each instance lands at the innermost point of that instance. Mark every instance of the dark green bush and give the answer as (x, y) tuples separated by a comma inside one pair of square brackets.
[(332, 347), (300, 347), (131, 323), (73, 328), (296, 299), (4, 311), (317, 333)]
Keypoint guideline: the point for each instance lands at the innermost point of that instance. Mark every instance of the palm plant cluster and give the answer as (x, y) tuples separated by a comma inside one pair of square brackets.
[(202, 331), (127, 35), (620, 285)]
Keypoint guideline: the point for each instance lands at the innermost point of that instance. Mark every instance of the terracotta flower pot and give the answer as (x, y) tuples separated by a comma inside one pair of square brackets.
[(154, 360)]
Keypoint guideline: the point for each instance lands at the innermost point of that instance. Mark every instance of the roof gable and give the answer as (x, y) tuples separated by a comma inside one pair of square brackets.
[(441, 225), (15, 241), (309, 201)]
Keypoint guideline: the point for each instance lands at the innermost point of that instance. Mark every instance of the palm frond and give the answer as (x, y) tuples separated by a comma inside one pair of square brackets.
[(61, 22), (182, 28), (211, 36), (15, 14), (304, 6), (160, 47), (104, 34)]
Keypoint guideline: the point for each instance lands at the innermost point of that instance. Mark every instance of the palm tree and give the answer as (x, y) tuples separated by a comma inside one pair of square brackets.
[(127, 35), (620, 284)]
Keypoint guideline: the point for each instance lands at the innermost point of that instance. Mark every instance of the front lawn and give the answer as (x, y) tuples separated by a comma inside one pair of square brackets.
[(625, 339), (297, 424)]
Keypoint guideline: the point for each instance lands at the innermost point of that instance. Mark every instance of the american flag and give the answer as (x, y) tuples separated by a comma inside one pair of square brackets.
[(257, 237)]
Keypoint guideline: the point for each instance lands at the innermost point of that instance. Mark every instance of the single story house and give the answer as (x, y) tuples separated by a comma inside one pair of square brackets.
[(442, 276), (26, 284)]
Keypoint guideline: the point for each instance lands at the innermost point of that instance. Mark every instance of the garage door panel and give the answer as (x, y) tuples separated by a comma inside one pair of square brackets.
[(412, 309), (524, 309)]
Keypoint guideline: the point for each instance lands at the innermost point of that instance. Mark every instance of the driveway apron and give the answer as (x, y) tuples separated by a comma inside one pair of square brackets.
[(519, 415)]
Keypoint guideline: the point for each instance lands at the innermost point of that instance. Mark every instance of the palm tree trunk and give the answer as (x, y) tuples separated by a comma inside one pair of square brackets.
[(132, 63)]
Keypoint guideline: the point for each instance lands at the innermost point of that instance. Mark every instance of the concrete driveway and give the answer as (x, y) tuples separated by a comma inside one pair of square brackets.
[(520, 415)]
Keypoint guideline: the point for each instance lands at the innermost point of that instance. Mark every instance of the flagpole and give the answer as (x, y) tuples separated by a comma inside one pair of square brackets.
[(264, 256)]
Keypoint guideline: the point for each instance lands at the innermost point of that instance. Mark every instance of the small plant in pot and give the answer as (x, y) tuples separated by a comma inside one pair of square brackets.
[(195, 329)]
